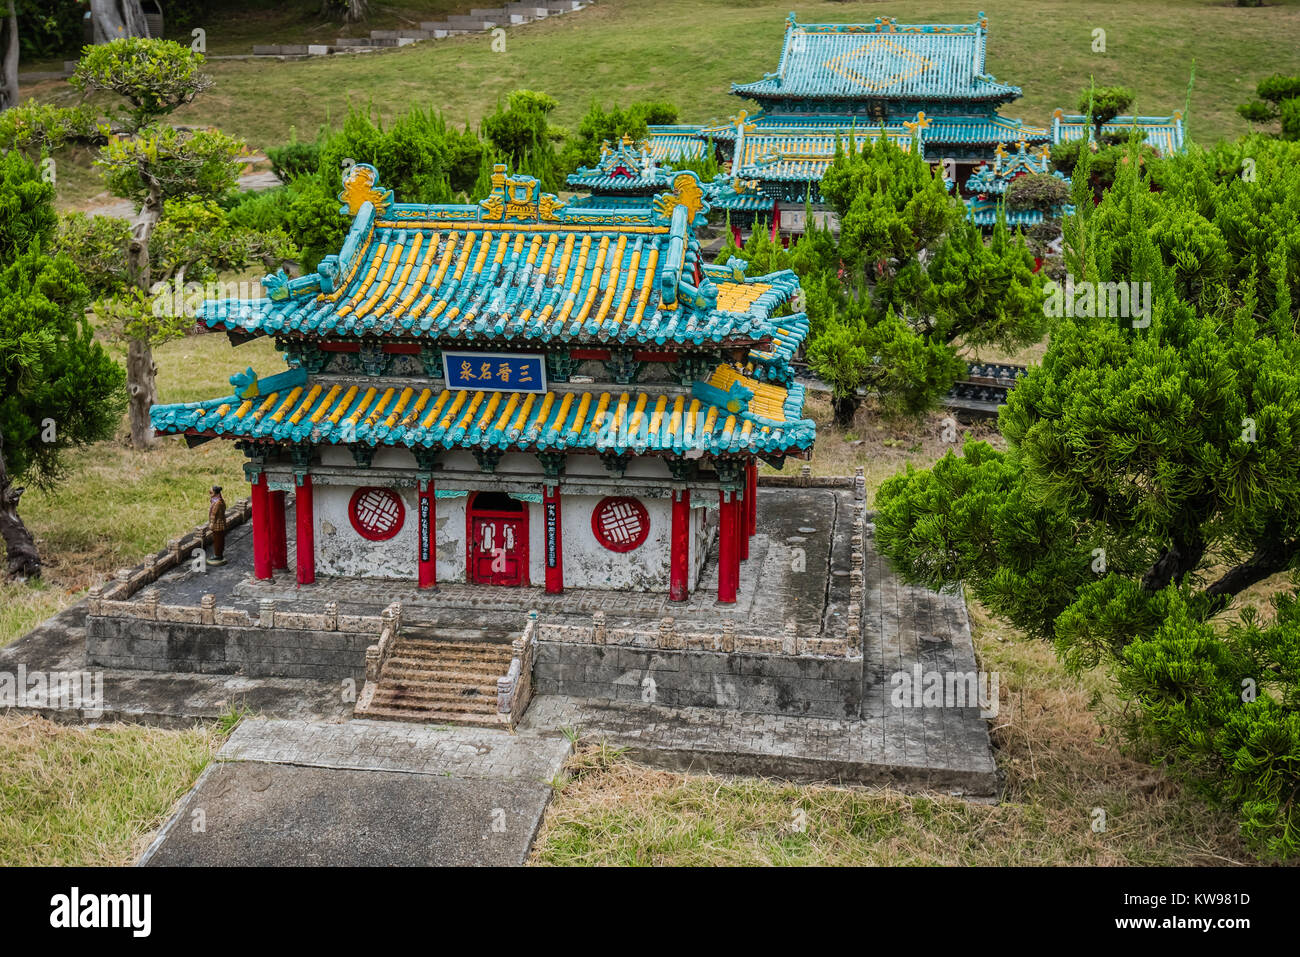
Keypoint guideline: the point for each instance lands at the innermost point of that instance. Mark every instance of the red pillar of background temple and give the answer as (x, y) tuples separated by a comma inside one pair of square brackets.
[(279, 533), (735, 236), (553, 539), (304, 532), (728, 553), (261, 529), (426, 559), (680, 554)]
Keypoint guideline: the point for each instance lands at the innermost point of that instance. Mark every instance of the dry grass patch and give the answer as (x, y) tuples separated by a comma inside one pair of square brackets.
[(882, 447), (74, 796)]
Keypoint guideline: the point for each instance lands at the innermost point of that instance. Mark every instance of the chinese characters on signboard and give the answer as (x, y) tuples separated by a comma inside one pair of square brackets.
[(495, 371)]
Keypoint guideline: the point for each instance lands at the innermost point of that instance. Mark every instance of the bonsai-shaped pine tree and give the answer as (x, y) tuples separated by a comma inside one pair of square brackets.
[(1279, 102), (525, 138), (167, 172), (1101, 104), (1151, 476), (908, 281), (58, 387)]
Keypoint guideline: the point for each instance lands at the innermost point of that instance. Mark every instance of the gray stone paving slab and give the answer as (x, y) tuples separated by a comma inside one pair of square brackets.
[(374, 793), (279, 815), (460, 752)]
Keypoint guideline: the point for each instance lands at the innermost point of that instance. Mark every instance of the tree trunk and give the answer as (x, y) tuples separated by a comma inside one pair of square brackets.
[(140, 369), (118, 18), (24, 561), (845, 408), (353, 10), (142, 390), (9, 60)]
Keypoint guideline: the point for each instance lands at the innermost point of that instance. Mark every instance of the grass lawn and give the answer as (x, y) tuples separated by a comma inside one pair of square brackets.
[(690, 51), (72, 796)]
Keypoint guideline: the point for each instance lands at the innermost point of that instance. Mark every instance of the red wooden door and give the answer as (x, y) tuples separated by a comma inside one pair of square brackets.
[(498, 548)]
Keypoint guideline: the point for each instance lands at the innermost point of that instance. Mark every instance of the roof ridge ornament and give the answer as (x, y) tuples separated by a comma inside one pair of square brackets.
[(361, 186), (518, 199)]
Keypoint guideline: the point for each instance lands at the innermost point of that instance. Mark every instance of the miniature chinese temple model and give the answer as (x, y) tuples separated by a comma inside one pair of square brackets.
[(1164, 134), (922, 85), (514, 392), (988, 185)]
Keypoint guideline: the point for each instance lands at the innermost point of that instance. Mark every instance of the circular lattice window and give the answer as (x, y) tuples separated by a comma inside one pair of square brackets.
[(376, 513), (620, 523)]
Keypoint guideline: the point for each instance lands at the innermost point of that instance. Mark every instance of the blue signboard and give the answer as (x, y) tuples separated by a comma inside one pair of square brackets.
[(495, 371)]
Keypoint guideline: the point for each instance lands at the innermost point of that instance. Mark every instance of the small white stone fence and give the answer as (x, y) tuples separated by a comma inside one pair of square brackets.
[(515, 689), (148, 607), (127, 581)]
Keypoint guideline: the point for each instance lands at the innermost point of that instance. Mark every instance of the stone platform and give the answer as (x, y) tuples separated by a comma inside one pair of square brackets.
[(802, 716)]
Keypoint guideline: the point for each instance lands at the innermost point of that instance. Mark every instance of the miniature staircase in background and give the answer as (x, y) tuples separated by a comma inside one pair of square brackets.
[(434, 680), (477, 20)]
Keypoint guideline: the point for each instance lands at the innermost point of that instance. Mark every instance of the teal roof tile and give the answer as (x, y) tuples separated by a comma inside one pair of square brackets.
[(881, 60)]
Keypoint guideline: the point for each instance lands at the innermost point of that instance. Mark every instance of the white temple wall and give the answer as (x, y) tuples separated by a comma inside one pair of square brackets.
[(342, 551), (589, 564)]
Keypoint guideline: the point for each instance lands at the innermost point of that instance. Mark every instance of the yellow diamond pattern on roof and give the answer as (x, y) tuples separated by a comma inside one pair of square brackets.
[(738, 297), (769, 399)]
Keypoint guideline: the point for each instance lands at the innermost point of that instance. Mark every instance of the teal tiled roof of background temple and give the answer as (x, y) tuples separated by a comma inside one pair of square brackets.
[(881, 60), (1163, 133), (520, 267)]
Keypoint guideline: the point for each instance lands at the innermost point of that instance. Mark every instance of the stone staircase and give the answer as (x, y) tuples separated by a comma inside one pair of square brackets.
[(434, 679), (476, 21)]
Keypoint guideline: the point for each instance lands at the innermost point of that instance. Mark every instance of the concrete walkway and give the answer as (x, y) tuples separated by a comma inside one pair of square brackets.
[(363, 793)]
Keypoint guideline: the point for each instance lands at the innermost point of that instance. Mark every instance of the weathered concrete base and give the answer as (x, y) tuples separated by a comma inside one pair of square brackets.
[(166, 699), (806, 749), (226, 649), (772, 684)]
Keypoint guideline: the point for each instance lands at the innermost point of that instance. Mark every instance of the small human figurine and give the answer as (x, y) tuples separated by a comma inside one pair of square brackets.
[(217, 523)]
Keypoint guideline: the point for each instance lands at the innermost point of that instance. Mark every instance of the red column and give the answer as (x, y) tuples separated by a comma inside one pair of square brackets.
[(728, 556), (304, 531), (553, 539), (735, 236), (279, 533), (776, 219), (261, 529), (680, 555), (427, 559)]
